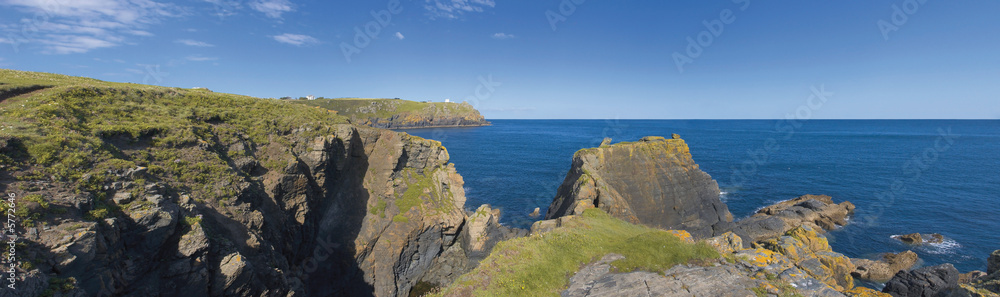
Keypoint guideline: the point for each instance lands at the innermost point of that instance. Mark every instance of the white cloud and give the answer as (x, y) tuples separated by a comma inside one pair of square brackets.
[(198, 58), (272, 8), (503, 36), (400, 36), (295, 39), (190, 42), (452, 9), (79, 26)]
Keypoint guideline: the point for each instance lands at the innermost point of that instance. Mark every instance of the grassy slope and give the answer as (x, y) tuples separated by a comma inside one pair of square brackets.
[(76, 130), (349, 106), (540, 265)]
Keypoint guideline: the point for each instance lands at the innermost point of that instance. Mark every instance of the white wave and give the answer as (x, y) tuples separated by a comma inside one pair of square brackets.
[(945, 247)]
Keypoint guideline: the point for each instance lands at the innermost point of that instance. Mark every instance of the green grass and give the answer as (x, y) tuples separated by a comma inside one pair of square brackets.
[(74, 130), (361, 108), (540, 265), (58, 285), (414, 190)]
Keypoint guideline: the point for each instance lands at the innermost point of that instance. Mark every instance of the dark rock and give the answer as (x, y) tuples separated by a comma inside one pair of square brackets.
[(914, 238), (993, 262), (928, 281), (653, 182)]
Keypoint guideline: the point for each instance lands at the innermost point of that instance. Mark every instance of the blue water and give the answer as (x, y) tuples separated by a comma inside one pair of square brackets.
[(928, 176)]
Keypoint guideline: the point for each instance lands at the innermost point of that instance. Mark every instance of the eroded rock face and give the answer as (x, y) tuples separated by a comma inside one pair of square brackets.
[(818, 212), (355, 211), (926, 281), (653, 182)]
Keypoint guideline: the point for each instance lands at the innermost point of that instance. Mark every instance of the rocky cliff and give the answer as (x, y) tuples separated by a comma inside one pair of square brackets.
[(653, 182), (401, 114), (123, 189)]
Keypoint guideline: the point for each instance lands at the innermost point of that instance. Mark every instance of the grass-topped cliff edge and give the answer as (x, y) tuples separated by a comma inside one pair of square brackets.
[(401, 114), (127, 189), (541, 264)]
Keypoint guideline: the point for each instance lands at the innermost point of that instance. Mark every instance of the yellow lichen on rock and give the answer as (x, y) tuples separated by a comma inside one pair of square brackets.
[(683, 235), (864, 292)]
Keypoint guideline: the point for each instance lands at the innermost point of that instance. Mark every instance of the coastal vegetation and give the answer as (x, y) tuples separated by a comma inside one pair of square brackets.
[(541, 264)]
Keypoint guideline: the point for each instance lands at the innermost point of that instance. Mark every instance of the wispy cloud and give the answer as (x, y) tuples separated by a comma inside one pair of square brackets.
[(400, 36), (452, 9), (503, 36), (199, 58), (272, 8), (295, 39), (190, 42), (67, 27)]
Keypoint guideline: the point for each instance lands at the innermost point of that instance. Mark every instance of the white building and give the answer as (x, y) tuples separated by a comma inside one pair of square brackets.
[(311, 97), (447, 100)]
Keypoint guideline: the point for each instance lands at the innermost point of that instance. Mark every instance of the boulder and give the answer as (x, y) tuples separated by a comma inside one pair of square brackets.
[(913, 238), (920, 239), (818, 212), (653, 182), (726, 243), (927, 281), (883, 269), (971, 276)]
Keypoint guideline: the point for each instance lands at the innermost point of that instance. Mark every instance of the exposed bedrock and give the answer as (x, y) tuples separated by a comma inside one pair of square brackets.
[(653, 182)]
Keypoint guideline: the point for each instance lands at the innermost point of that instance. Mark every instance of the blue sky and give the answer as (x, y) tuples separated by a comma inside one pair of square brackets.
[(540, 59)]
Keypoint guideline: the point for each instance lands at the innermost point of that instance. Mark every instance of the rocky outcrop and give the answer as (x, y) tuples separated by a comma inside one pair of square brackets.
[(595, 280), (981, 284), (818, 212), (402, 114), (920, 239), (653, 182), (357, 212), (927, 281), (993, 262), (800, 262), (883, 269)]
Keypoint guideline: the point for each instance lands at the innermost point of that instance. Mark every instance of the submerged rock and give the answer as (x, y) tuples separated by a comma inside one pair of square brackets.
[(653, 182)]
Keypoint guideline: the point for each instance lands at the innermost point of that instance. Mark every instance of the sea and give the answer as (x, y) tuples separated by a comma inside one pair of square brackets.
[(904, 176)]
